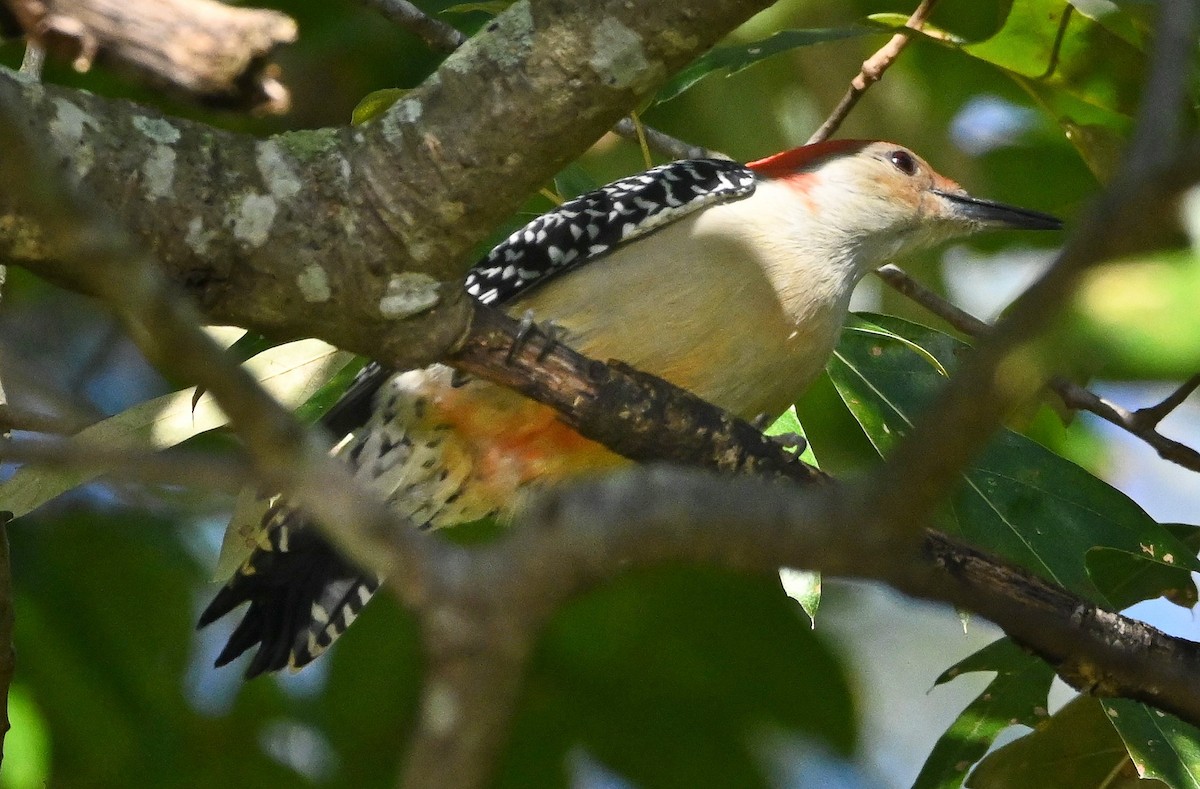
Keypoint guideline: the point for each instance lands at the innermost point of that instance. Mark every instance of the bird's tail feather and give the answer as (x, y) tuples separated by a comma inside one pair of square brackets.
[(302, 596)]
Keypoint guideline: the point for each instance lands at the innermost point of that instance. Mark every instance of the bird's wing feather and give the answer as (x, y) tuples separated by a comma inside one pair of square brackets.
[(589, 226)]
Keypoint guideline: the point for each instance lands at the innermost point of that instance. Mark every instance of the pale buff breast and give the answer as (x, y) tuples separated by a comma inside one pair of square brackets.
[(705, 312)]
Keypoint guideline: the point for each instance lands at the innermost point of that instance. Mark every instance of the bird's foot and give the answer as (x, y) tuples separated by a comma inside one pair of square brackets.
[(526, 330), (790, 440)]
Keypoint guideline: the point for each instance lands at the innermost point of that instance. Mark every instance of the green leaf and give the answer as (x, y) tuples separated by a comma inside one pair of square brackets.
[(330, 391), (1129, 21), (376, 103), (732, 59), (249, 345), (679, 672), (1161, 745), (1016, 695), (803, 586), (1085, 68), (1128, 579), (1054, 48), (1018, 499), (573, 181), (1074, 749), (491, 8), (26, 745), (893, 22)]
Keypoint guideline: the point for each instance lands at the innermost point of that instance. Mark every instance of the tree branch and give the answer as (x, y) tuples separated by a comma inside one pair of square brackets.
[(637, 415), (258, 250), (223, 472), (93, 256), (872, 71), (408, 178), (446, 38), (200, 49), (575, 537), (1142, 423), (434, 32)]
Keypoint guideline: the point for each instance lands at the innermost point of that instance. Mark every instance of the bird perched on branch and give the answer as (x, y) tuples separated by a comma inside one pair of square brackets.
[(729, 280)]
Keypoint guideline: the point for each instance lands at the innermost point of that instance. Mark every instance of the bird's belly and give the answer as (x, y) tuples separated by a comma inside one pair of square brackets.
[(714, 329)]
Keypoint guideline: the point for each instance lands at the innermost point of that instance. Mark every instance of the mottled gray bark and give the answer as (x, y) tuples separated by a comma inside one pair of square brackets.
[(359, 235)]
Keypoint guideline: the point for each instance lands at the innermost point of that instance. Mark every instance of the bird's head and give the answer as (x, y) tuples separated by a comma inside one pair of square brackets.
[(883, 200)]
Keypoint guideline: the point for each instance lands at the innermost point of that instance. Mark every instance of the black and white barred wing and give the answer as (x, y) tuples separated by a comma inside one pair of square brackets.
[(592, 224)]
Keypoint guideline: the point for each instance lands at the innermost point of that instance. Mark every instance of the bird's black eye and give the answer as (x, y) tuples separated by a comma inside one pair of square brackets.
[(904, 162)]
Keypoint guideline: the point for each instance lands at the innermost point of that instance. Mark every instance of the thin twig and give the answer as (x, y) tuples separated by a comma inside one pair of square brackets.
[(177, 467), (17, 418), (959, 318), (34, 60), (1150, 416), (1142, 423), (1075, 396), (434, 32), (665, 143), (872, 71)]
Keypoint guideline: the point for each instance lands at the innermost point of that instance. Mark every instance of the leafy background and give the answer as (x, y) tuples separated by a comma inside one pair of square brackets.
[(683, 677)]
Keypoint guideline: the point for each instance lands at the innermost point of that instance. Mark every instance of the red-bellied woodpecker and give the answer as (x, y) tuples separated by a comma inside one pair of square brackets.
[(729, 280)]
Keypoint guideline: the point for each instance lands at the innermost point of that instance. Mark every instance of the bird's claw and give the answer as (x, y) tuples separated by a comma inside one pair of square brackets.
[(525, 331), (790, 440)]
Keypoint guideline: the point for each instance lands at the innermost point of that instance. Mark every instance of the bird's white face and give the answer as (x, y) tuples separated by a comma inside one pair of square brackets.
[(890, 201)]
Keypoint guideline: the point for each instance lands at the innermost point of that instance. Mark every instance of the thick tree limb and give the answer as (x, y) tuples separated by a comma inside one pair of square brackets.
[(201, 49), (446, 38), (635, 414), (257, 231)]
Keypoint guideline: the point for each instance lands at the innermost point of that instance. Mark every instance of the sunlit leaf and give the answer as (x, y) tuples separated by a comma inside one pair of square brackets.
[(1076, 748), (1086, 68), (1161, 745), (803, 586), (1139, 317), (492, 7), (1053, 46), (1016, 695), (1128, 21), (245, 525), (26, 745), (241, 535), (376, 103), (894, 21)]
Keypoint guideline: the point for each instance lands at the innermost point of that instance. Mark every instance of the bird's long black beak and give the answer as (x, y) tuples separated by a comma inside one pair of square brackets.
[(989, 212)]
